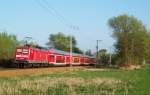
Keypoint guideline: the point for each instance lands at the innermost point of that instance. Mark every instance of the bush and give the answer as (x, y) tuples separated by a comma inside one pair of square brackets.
[(7, 48)]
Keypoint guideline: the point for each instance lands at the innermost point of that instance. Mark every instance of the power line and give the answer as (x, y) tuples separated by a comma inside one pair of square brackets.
[(52, 11), (47, 6), (44, 7), (56, 12)]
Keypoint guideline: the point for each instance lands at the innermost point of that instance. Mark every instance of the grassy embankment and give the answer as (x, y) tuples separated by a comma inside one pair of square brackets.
[(108, 82)]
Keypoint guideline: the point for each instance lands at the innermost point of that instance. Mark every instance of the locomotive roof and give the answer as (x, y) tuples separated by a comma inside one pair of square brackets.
[(68, 53), (59, 51), (64, 52)]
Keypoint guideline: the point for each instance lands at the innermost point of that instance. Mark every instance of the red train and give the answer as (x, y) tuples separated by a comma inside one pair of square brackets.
[(30, 57)]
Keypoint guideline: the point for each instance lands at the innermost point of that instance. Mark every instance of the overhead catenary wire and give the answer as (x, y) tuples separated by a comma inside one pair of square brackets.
[(52, 11), (56, 12)]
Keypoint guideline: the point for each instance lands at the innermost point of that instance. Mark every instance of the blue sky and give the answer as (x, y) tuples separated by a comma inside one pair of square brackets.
[(27, 18)]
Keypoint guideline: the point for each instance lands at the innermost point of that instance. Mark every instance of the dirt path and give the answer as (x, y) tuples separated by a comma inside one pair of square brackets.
[(31, 71)]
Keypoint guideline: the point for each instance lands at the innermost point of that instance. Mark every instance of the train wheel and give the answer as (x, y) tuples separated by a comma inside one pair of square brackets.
[(32, 65), (28, 65), (20, 65)]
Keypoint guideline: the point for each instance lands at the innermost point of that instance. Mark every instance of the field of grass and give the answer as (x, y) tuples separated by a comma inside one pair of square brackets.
[(81, 82)]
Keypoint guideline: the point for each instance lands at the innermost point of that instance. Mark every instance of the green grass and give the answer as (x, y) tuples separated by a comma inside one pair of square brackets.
[(108, 82)]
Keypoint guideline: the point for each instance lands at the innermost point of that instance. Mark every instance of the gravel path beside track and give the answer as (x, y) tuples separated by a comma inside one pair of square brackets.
[(31, 71)]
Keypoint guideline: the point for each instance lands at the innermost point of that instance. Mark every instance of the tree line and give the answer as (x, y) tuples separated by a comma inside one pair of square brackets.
[(132, 42), (61, 41), (8, 43)]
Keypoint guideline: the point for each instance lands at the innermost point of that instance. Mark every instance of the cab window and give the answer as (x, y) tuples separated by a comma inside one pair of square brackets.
[(19, 50), (52, 56)]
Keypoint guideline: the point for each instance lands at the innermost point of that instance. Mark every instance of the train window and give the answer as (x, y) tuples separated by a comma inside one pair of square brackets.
[(76, 60), (25, 51), (52, 56), (59, 61), (19, 50)]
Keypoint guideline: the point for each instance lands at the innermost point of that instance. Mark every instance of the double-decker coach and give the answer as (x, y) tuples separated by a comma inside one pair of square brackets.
[(59, 57)]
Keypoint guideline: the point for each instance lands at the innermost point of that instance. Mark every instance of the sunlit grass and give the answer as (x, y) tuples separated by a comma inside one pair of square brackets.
[(60, 86), (107, 82)]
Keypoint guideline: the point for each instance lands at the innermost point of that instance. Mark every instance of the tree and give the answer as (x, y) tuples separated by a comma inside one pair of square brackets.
[(89, 53), (77, 50), (102, 52), (62, 42), (103, 57), (132, 39), (7, 46)]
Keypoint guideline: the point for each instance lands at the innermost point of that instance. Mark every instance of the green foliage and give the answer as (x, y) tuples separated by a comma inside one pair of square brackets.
[(7, 46), (103, 57), (102, 51), (62, 42), (132, 39), (89, 53), (58, 89), (32, 44), (77, 50)]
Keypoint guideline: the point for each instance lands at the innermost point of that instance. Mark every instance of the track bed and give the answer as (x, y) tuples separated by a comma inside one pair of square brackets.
[(31, 71)]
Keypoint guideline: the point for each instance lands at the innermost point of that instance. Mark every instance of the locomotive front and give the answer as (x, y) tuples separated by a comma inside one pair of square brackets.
[(22, 55)]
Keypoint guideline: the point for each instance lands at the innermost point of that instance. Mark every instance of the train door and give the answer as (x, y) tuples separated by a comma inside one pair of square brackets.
[(60, 60), (31, 54), (67, 59), (52, 59), (76, 61), (81, 60)]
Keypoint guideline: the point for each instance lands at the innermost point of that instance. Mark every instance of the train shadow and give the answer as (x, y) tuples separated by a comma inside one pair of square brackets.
[(7, 63)]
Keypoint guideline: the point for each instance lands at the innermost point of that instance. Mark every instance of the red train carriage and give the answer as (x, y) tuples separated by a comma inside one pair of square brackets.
[(92, 61), (59, 57), (88, 60), (51, 57), (27, 56), (76, 59), (82, 60), (67, 59)]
